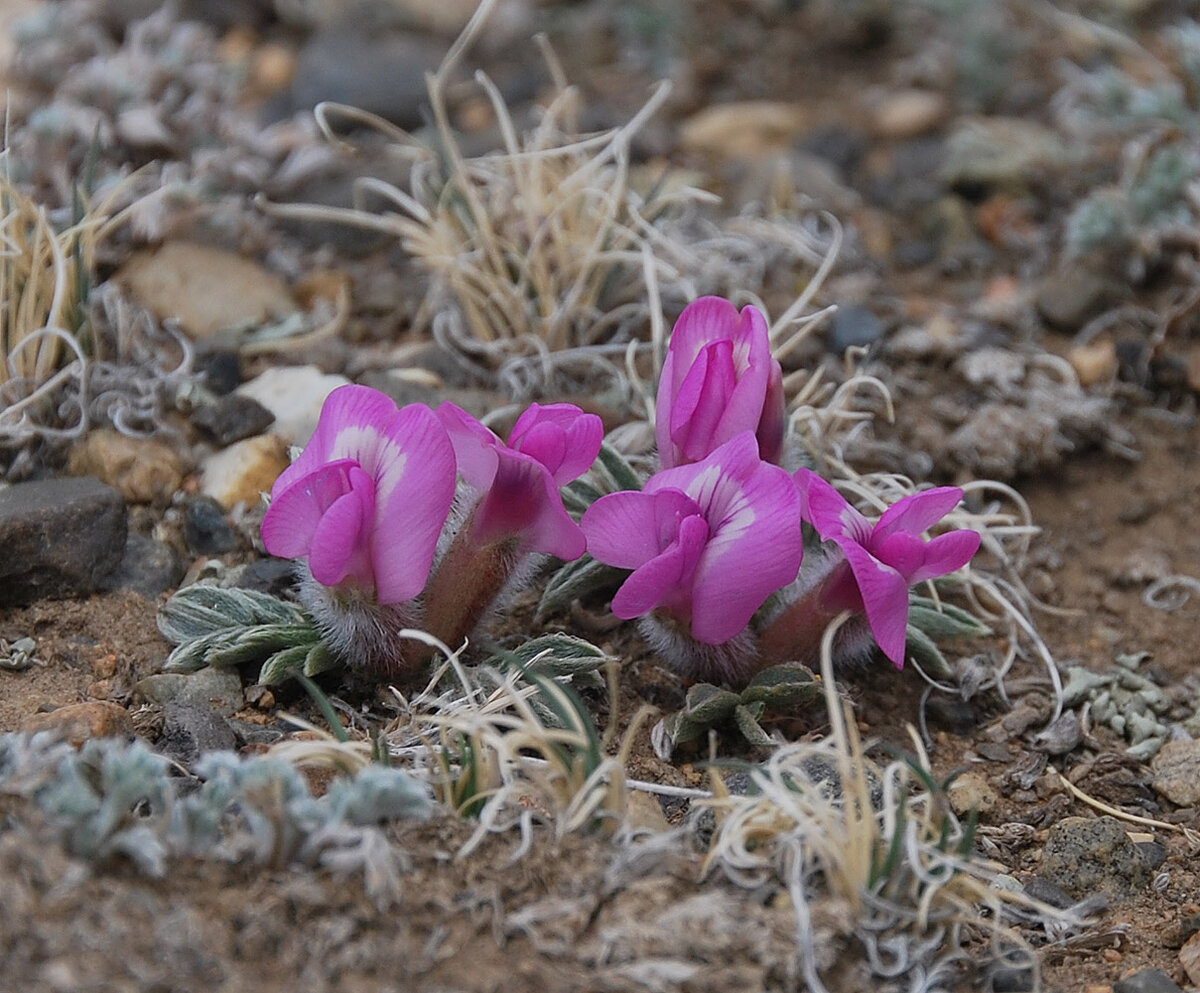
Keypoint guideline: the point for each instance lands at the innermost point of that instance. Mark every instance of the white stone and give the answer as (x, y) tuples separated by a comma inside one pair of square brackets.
[(295, 395)]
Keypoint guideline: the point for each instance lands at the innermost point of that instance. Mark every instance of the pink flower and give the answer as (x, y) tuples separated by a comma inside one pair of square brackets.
[(366, 500), (549, 446), (886, 558), (707, 542), (718, 380)]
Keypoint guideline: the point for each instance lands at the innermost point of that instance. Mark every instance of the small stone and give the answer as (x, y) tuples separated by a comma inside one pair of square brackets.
[(241, 473), (206, 289), (206, 529), (1013, 979), (232, 418), (854, 326), (1067, 300), (1147, 981), (295, 396), (145, 470), (903, 114), (60, 538), (219, 690), (381, 72), (1154, 853), (190, 731), (1176, 772), (142, 128), (749, 129), (80, 722), (271, 576), (1084, 855), (1001, 153), (147, 567), (1094, 363), (971, 791), (952, 714), (1062, 736), (1189, 958), (1048, 892), (220, 370)]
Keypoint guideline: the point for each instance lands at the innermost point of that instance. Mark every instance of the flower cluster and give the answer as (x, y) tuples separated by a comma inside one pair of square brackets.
[(717, 533), (714, 542), (367, 506)]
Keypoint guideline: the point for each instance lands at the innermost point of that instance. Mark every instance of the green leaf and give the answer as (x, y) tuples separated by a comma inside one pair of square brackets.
[(578, 495), (577, 579), (708, 704), (614, 470), (747, 722), (193, 654), (284, 665), (201, 609), (320, 659), (926, 654), (556, 655), (944, 620), (252, 643), (782, 686)]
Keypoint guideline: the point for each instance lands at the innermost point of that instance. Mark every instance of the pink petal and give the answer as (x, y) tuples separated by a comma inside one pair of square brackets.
[(414, 479), (666, 578), (347, 427), (523, 501), (885, 599), (827, 510), (772, 422), (553, 532), (918, 512), (756, 549), (703, 400), (902, 551), (295, 510), (338, 547), (947, 553), (628, 529), (474, 445)]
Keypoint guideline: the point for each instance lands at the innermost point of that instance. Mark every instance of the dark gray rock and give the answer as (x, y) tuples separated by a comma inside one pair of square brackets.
[(854, 326), (1048, 892), (148, 567), (1013, 979), (206, 529), (271, 576), (218, 690), (1147, 981), (379, 72), (232, 418), (220, 371), (1086, 855), (951, 713), (1154, 853), (190, 731), (842, 147), (60, 538), (1068, 300)]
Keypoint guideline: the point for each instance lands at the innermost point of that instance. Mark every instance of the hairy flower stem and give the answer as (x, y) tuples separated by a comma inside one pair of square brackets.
[(467, 582), (794, 634)]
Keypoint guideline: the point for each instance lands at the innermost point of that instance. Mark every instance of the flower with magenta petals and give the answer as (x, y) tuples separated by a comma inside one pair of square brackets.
[(719, 379), (884, 559), (367, 499), (549, 446), (707, 542)]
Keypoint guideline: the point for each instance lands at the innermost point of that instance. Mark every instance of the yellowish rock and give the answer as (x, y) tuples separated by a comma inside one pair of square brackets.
[(1189, 958), (241, 473), (971, 791), (145, 470), (80, 722), (748, 129), (908, 113), (206, 289), (1094, 363)]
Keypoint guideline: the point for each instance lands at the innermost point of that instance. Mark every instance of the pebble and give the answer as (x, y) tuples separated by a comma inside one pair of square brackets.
[(1175, 772), (1094, 363), (971, 791), (952, 714), (842, 147), (908, 113), (147, 567), (1189, 958), (854, 326), (271, 576), (208, 290), (206, 529), (1000, 153), (80, 722), (749, 129), (232, 418), (295, 396), (1062, 736), (190, 731), (60, 538), (381, 72), (145, 470), (220, 370), (1048, 892), (1147, 981), (215, 689), (1067, 300), (241, 473), (1084, 855)]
